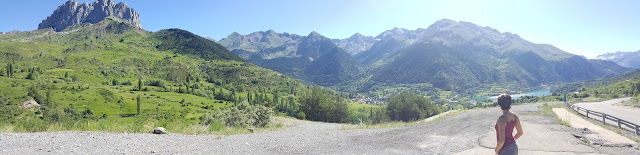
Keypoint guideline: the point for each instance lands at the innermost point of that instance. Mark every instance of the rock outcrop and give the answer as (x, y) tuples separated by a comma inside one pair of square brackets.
[(29, 104), (72, 13), (160, 130)]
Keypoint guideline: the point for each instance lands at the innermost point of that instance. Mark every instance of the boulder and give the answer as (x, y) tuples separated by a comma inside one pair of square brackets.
[(29, 104), (160, 130)]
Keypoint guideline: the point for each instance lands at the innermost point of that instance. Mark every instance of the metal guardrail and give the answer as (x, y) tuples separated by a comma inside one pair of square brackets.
[(586, 112)]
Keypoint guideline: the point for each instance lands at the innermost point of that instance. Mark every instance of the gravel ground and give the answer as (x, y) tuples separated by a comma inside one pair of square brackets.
[(460, 132)]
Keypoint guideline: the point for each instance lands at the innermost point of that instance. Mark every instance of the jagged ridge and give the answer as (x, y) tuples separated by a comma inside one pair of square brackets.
[(72, 13)]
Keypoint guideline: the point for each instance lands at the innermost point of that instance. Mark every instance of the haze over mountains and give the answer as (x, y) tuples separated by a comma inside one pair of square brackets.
[(449, 55), (626, 59)]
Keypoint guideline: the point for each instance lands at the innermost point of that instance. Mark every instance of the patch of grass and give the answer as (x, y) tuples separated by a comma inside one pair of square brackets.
[(395, 124), (546, 110), (563, 122), (634, 102)]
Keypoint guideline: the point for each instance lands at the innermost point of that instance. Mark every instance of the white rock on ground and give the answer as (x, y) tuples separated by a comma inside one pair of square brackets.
[(160, 130)]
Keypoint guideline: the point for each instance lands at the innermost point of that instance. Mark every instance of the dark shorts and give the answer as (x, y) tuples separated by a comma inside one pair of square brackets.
[(512, 149)]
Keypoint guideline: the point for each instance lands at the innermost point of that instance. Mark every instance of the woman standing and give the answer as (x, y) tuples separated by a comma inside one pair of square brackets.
[(504, 128)]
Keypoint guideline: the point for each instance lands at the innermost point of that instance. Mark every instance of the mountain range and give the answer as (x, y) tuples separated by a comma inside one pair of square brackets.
[(461, 55), (314, 58), (355, 44), (626, 59), (449, 55)]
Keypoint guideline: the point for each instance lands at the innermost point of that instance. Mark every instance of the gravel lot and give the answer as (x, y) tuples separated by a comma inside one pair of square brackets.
[(463, 131)]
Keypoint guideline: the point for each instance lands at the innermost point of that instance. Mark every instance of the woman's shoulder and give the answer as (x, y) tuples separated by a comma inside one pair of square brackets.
[(512, 117), (502, 119)]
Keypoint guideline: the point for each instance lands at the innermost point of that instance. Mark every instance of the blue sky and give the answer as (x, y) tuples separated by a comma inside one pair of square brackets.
[(585, 27)]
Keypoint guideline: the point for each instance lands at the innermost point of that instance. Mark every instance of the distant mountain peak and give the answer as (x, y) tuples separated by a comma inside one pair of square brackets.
[(356, 36), (626, 59), (315, 34), (234, 34), (72, 13), (445, 21)]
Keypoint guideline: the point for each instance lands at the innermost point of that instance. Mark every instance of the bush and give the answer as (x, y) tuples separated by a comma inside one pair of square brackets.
[(358, 118), (378, 115), (318, 105), (301, 115), (241, 115), (8, 111), (410, 107), (216, 126), (155, 82)]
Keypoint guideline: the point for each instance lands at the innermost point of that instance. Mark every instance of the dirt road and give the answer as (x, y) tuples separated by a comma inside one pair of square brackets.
[(629, 114), (466, 131)]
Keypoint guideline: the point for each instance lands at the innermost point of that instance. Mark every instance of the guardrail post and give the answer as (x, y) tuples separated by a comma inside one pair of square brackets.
[(587, 113), (604, 118), (619, 126)]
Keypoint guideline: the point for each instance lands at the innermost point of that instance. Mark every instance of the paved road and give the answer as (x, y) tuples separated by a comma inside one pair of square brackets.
[(466, 131), (629, 114)]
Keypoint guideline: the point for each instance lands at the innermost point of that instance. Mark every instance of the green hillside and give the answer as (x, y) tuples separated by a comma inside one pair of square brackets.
[(91, 77), (624, 85)]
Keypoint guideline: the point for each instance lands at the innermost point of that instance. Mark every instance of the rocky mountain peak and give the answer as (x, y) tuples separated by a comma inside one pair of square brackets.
[(356, 36), (234, 35), (72, 13), (271, 31), (315, 34)]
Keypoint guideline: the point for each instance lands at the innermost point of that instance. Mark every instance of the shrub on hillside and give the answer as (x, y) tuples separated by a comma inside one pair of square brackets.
[(241, 115), (8, 111), (378, 115), (408, 106), (319, 105)]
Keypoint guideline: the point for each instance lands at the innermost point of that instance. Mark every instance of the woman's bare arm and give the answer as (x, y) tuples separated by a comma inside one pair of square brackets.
[(502, 123), (518, 128)]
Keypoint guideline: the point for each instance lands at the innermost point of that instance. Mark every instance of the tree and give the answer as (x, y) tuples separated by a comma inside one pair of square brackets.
[(10, 70), (48, 100), (379, 115), (114, 81), (315, 104), (340, 111), (33, 74), (140, 84), (33, 92), (138, 102), (409, 106)]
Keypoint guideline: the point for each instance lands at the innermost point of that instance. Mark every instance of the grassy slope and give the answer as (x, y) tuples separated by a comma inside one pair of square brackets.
[(93, 56)]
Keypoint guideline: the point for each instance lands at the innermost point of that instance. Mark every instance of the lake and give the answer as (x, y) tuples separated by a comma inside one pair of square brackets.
[(539, 92)]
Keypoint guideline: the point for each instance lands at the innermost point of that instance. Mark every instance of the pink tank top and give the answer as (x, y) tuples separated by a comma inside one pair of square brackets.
[(508, 134)]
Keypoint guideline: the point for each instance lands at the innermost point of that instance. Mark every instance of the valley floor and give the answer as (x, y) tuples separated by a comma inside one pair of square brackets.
[(464, 132)]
